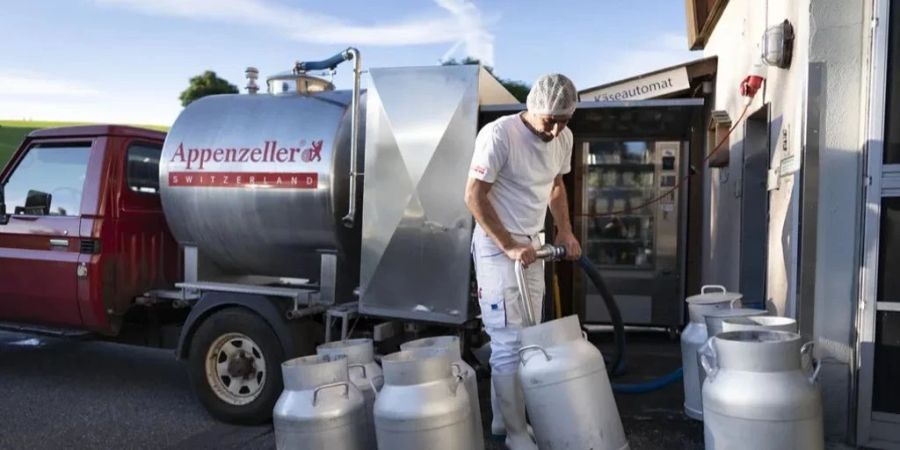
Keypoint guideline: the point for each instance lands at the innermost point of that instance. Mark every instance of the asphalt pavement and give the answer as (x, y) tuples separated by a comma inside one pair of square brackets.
[(70, 394)]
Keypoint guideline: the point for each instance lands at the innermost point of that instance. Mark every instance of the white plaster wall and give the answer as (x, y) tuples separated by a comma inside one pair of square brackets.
[(830, 32), (736, 41), (838, 32)]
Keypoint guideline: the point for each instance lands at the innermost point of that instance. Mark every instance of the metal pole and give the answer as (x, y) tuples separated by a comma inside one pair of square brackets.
[(546, 252)]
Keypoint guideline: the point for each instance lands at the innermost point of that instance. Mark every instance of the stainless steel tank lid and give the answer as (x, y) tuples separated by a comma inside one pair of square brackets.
[(714, 294)]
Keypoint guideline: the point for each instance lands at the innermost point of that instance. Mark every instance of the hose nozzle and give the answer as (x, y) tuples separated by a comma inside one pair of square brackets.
[(551, 252)]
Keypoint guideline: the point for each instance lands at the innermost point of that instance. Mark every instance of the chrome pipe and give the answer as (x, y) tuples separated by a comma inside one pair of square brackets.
[(547, 251), (352, 53)]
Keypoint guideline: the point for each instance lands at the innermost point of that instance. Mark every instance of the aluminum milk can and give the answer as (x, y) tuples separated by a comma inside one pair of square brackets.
[(711, 298), (714, 321), (567, 392), (422, 405), (365, 373), (319, 407), (757, 323), (452, 345), (757, 395)]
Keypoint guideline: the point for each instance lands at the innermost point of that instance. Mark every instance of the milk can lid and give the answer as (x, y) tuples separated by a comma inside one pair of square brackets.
[(713, 294)]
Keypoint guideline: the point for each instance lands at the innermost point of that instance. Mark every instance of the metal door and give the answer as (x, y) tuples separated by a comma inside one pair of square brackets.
[(878, 342), (39, 247)]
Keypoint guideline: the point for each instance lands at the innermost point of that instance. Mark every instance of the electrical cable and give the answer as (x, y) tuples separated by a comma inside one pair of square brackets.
[(681, 180)]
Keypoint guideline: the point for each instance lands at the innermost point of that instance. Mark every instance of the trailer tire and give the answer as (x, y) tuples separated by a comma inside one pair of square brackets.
[(235, 366)]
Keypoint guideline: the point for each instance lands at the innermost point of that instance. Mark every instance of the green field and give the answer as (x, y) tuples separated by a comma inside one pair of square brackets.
[(12, 132)]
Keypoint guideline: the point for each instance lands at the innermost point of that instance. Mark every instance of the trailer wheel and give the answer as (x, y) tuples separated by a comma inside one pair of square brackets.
[(235, 366)]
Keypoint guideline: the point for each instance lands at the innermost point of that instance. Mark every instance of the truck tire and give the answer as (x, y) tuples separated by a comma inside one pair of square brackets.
[(235, 366)]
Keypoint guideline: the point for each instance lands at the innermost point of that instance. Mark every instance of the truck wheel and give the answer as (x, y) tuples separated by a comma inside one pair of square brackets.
[(235, 366)]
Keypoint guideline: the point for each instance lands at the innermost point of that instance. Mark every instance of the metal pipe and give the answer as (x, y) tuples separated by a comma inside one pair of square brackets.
[(331, 63), (352, 53), (546, 252)]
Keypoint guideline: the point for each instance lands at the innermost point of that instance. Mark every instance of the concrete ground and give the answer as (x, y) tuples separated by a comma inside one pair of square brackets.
[(58, 393)]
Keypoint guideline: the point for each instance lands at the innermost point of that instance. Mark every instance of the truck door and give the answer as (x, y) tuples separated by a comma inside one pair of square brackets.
[(39, 246)]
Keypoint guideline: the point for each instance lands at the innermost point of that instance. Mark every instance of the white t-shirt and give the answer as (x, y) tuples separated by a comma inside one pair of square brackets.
[(522, 168)]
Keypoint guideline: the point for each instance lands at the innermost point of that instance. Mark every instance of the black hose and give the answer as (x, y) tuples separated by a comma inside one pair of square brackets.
[(618, 360)]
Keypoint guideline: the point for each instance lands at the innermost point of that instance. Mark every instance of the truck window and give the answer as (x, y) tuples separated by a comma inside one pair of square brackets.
[(143, 168), (49, 181)]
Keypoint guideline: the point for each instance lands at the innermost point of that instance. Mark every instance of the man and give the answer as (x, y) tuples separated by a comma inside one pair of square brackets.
[(516, 173)]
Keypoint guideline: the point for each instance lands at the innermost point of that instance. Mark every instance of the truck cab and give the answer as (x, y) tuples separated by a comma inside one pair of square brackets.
[(82, 231)]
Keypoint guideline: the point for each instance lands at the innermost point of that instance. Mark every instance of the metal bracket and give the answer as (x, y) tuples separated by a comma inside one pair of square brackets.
[(343, 312)]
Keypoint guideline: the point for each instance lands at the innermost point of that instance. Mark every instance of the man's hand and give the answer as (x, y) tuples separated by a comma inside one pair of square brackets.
[(522, 252), (573, 248)]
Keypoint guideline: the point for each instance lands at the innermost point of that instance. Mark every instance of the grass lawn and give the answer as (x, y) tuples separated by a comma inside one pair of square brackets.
[(12, 132)]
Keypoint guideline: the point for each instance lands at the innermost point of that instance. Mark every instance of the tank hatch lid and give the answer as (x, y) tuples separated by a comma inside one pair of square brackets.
[(714, 294)]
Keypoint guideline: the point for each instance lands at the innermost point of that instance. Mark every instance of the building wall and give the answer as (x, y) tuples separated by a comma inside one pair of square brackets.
[(829, 46), (736, 40)]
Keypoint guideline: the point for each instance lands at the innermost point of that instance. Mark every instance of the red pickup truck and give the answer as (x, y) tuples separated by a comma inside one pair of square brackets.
[(83, 239)]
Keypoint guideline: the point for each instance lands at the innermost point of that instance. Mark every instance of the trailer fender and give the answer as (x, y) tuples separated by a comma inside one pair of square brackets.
[(264, 306)]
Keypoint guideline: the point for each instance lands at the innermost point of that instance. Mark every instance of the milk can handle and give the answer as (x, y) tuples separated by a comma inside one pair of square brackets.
[(459, 380), (372, 383), (361, 366), (345, 384), (807, 349), (458, 369), (707, 352), (717, 287), (529, 348)]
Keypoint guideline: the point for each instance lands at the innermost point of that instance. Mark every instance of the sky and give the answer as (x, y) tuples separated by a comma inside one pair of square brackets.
[(127, 61)]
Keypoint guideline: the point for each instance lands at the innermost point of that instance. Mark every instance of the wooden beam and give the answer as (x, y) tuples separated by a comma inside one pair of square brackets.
[(690, 12), (702, 16)]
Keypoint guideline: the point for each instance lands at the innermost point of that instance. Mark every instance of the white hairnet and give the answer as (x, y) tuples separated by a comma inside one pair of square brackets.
[(553, 94)]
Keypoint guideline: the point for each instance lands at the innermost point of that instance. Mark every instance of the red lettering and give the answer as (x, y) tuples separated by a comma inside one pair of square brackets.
[(294, 180), (205, 155), (179, 153), (316, 151), (193, 156)]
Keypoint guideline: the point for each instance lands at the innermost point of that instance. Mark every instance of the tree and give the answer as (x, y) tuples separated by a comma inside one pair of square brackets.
[(518, 89), (206, 84)]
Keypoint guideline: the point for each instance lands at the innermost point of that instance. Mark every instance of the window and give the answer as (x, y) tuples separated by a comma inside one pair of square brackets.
[(143, 168), (49, 181), (892, 102), (718, 134)]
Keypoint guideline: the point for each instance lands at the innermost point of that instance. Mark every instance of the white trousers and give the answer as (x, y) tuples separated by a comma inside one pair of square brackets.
[(498, 297)]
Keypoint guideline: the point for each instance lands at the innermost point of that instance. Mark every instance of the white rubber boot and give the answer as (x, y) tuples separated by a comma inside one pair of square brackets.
[(498, 428), (512, 404)]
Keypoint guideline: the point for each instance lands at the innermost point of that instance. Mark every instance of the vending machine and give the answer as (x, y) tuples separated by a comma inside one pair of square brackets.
[(631, 225)]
